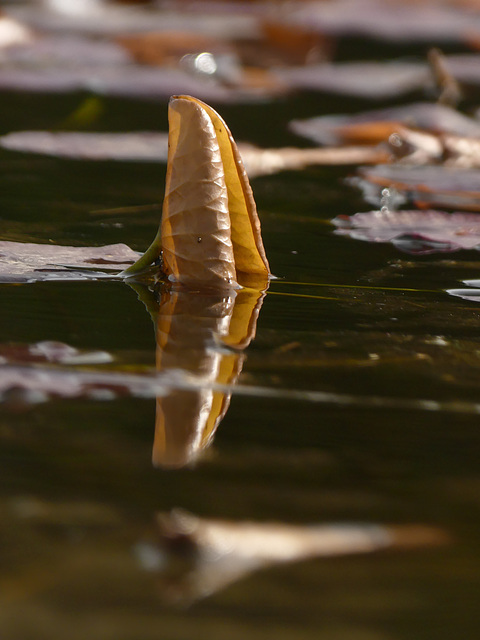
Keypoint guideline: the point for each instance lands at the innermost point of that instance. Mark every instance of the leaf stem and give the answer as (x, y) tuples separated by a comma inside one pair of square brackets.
[(148, 258)]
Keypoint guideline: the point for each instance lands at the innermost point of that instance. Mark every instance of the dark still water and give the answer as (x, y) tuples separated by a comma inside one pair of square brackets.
[(356, 402)]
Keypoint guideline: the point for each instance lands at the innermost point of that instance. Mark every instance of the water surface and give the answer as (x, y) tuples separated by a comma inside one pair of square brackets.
[(364, 323)]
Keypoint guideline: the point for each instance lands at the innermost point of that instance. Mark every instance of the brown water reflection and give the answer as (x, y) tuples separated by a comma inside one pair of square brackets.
[(203, 334)]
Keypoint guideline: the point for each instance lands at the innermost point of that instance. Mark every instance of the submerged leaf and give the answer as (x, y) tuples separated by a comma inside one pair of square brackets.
[(414, 231)]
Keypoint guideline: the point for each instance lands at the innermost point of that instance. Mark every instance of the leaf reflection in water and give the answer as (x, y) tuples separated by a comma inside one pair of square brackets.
[(203, 334), (196, 557)]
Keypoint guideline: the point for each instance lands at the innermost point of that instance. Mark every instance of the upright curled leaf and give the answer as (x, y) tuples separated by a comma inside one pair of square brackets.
[(195, 229), (210, 232)]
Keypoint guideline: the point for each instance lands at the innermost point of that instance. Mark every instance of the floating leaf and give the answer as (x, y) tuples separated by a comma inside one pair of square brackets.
[(394, 21), (343, 129), (414, 231), (144, 147), (210, 231), (423, 185), (28, 262), (363, 79), (259, 162), (153, 147), (51, 351)]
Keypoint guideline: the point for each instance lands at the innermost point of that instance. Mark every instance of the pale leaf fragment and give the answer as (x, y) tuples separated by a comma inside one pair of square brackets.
[(221, 552), (414, 231), (29, 262)]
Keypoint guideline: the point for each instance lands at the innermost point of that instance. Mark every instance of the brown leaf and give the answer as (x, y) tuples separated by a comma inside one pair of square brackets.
[(249, 253), (196, 228), (425, 186), (167, 47), (333, 130), (418, 232), (209, 235)]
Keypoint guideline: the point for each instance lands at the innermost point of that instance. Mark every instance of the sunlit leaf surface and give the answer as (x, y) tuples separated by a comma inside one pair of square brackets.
[(28, 262), (209, 234), (424, 186), (414, 231), (145, 147), (338, 129), (248, 250)]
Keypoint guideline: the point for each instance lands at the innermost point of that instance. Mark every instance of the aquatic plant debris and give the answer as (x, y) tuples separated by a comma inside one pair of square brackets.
[(375, 126), (28, 262), (423, 186), (51, 351), (153, 147), (416, 232)]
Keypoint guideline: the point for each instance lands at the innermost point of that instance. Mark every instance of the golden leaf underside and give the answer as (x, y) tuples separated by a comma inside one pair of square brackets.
[(196, 228), (246, 235)]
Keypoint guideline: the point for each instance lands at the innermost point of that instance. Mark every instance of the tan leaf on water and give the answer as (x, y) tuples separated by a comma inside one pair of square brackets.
[(195, 229), (210, 231), (248, 251)]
